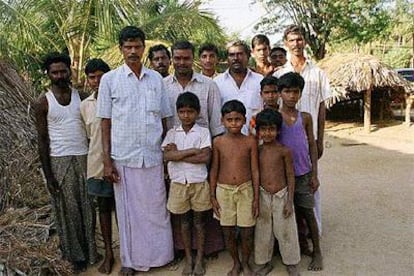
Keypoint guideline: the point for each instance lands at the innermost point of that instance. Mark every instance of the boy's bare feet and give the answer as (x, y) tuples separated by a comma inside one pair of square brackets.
[(235, 271), (316, 263), (199, 269), (106, 266), (127, 271), (265, 269), (292, 270), (188, 268)]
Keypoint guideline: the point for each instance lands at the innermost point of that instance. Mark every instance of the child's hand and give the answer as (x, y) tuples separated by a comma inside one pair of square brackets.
[(216, 206), (314, 184), (287, 210), (256, 209), (170, 147)]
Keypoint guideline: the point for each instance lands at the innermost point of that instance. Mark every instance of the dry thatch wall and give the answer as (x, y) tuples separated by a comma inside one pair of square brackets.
[(21, 182)]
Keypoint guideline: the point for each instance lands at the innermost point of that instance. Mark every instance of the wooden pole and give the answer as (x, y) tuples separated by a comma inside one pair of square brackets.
[(367, 110)]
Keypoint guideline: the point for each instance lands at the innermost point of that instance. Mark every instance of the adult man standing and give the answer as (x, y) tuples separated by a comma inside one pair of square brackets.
[(160, 59), (63, 148), (239, 82), (97, 186), (277, 57), (186, 80), (260, 53), (314, 94), (133, 105), (208, 55)]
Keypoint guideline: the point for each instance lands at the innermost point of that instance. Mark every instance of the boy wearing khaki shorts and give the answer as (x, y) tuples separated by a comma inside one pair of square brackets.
[(234, 184), (187, 149)]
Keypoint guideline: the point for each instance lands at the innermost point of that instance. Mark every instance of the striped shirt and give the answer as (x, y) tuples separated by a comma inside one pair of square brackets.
[(135, 107), (316, 90)]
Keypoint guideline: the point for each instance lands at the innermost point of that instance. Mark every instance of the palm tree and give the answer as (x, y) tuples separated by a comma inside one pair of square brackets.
[(31, 28)]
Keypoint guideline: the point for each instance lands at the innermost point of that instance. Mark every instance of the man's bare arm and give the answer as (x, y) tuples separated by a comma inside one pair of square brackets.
[(203, 157), (290, 179), (321, 128), (179, 155), (214, 170), (313, 151), (43, 141), (110, 171)]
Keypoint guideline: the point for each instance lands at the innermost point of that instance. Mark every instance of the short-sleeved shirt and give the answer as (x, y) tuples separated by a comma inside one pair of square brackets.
[(197, 137), (248, 93), (94, 133), (135, 106), (209, 96), (316, 90)]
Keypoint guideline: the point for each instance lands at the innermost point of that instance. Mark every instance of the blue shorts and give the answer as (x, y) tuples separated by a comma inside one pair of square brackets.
[(100, 187)]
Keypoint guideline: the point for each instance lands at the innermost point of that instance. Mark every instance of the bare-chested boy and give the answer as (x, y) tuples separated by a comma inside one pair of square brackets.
[(277, 179), (297, 135), (234, 184)]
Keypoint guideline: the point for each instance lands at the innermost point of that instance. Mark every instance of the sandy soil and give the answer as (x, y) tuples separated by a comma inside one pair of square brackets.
[(368, 220)]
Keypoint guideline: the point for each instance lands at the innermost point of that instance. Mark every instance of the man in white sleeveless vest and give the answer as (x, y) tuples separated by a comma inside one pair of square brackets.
[(63, 149)]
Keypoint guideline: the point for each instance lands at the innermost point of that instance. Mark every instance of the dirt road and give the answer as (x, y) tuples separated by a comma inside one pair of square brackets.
[(368, 203)]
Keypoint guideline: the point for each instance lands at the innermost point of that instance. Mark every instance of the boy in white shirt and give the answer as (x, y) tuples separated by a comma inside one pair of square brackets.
[(187, 149)]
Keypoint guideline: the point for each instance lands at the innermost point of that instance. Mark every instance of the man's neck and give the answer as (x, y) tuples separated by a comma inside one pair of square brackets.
[(184, 79), (135, 67), (209, 72), (60, 90)]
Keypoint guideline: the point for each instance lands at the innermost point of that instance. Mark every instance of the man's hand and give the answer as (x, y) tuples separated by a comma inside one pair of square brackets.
[(216, 206), (52, 185), (255, 209), (170, 147), (288, 209), (110, 172)]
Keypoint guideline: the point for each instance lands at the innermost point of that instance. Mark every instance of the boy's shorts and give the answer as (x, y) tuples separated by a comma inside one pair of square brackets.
[(185, 197), (303, 194), (99, 187), (271, 223), (236, 204)]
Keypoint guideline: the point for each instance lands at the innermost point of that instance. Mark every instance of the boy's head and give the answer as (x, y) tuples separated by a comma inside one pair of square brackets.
[(268, 92), (277, 56), (268, 124), (208, 55), (94, 70), (233, 116), (260, 48), (290, 86), (188, 108)]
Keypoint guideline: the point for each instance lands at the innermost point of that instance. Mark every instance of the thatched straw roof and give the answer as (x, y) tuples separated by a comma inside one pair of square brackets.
[(358, 73), (21, 183)]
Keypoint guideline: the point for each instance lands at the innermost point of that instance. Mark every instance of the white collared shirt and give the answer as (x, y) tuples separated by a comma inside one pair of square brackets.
[(197, 137), (135, 107), (248, 93), (316, 90), (209, 96)]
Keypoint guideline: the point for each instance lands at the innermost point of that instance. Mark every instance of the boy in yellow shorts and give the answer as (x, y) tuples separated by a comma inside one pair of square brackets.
[(234, 184), (187, 149)]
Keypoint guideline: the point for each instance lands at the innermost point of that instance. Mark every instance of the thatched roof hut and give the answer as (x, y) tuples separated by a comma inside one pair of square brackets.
[(353, 73), (21, 182)]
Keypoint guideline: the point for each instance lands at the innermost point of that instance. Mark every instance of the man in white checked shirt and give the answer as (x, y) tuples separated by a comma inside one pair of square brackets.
[(133, 105), (314, 94)]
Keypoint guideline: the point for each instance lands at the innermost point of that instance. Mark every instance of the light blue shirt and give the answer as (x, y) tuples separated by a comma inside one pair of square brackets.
[(135, 107)]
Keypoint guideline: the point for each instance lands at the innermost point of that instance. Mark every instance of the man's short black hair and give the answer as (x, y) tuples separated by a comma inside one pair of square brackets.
[(290, 80), (269, 117), (96, 64), (156, 48), (182, 45), (293, 29), (260, 39), (130, 33), (280, 49), (239, 43), (269, 80), (210, 47), (233, 105), (55, 57), (188, 99)]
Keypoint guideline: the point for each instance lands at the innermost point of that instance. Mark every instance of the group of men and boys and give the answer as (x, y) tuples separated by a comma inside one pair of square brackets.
[(241, 147)]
